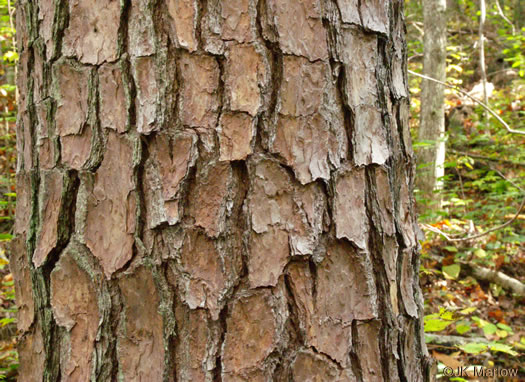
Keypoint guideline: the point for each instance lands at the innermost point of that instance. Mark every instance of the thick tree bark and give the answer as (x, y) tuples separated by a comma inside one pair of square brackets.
[(216, 191), (432, 123)]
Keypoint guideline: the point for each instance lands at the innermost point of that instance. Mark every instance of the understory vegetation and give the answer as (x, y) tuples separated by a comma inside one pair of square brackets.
[(472, 317)]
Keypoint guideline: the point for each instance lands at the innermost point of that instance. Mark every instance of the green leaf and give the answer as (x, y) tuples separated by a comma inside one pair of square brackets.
[(11, 56), (474, 348), (446, 314), (5, 236), (450, 248), (489, 329), (503, 348), (452, 271), (423, 143), (462, 327), (505, 327), (6, 321), (502, 333), (457, 68), (436, 325), (467, 311), (480, 253), (438, 322)]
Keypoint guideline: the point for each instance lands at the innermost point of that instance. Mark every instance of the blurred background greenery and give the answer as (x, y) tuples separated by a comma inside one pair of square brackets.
[(471, 319), (8, 98)]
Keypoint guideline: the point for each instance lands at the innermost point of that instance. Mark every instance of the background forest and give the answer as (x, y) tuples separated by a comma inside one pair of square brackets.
[(474, 291)]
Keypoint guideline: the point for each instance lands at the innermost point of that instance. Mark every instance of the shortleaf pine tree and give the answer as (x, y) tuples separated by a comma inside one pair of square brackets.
[(215, 191)]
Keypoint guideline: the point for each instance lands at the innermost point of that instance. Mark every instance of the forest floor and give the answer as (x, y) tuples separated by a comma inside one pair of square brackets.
[(460, 307)]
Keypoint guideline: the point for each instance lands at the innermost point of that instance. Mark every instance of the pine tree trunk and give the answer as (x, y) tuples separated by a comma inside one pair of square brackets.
[(432, 124), (216, 191)]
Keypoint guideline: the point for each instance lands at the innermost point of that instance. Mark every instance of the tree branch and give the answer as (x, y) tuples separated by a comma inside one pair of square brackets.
[(483, 157), (488, 275), (500, 11), (487, 159), (440, 339), (481, 103)]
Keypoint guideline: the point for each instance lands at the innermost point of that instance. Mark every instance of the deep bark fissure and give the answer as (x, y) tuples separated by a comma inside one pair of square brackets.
[(139, 178), (60, 23), (123, 42), (202, 8), (220, 94), (171, 337), (125, 62), (382, 277), (348, 113), (354, 357), (217, 371), (269, 115), (338, 69), (293, 309), (402, 375), (43, 275)]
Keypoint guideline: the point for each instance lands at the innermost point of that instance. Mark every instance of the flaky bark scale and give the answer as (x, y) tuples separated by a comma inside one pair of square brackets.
[(216, 191)]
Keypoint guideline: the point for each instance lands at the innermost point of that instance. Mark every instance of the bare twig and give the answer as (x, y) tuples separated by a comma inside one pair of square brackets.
[(419, 28), (488, 159), (11, 10), (448, 238), (482, 17), (461, 188), (501, 71), (500, 11), (482, 104), (504, 177), (417, 55)]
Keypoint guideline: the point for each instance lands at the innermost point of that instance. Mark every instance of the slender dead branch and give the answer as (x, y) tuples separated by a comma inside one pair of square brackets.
[(488, 275), (495, 277), (417, 55), (448, 238), (418, 28), (481, 103), (440, 339)]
